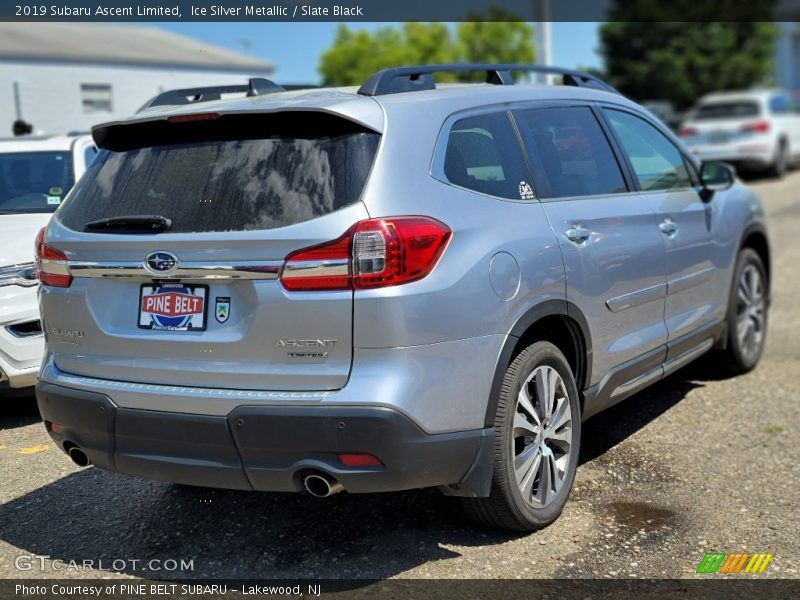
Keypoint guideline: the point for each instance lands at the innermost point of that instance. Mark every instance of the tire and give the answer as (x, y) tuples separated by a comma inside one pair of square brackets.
[(781, 161), (747, 314), (528, 506)]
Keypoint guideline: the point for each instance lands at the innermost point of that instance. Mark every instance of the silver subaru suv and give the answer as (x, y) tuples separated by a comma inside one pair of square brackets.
[(400, 286)]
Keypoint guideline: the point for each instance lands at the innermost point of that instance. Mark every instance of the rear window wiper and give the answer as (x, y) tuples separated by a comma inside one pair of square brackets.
[(144, 223)]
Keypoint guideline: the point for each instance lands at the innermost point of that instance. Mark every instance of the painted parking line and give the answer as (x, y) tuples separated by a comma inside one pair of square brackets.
[(33, 449)]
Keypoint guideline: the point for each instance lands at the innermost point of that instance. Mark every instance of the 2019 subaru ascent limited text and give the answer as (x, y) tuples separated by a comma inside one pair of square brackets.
[(401, 286)]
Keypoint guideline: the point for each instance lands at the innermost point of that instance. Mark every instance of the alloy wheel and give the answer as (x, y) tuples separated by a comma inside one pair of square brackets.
[(542, 436)]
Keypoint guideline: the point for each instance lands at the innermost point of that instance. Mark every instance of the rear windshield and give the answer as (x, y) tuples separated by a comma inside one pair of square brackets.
[(232, 182), (34, 182), (727, 110)]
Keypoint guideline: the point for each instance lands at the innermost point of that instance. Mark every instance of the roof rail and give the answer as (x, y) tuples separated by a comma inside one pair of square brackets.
[(410, 79), (256, 86)]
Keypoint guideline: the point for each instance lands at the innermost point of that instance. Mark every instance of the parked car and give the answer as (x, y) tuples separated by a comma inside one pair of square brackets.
[(755, 130), (403, 286), (665, 110), (36, 173)]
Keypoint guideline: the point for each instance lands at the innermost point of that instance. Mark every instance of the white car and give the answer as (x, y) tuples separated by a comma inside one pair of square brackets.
[(35, 175), (757, 130)]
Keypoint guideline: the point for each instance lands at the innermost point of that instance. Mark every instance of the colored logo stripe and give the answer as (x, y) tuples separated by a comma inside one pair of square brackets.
[(758, 563), (714, 562), (711, 562)]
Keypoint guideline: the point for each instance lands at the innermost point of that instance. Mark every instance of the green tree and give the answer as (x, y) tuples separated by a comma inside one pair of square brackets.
[(357, 54), (680, 62)]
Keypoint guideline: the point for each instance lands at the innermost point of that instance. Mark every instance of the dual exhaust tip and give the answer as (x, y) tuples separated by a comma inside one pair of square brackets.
[(321, 485)]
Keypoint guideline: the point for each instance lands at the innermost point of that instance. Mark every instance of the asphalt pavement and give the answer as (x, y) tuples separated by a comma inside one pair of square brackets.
[(696, 463)]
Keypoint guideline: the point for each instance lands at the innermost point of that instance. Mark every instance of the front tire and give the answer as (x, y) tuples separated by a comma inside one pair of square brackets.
[(537, 441), (747, 314)]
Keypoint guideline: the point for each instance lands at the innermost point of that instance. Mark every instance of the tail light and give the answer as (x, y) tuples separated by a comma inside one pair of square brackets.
[(756, 127), (687, 132), (371, 254), (51, 264)]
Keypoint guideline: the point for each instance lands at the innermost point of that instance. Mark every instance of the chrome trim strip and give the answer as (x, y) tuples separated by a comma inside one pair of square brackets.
[(316, 268), (186, 270), (691, 280), (637, 298)]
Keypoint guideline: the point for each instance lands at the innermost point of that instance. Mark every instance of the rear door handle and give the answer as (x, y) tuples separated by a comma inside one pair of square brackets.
[(578, 234), (668, 227)]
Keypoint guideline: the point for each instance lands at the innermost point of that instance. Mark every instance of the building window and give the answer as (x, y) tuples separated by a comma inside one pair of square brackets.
[(96, 98)]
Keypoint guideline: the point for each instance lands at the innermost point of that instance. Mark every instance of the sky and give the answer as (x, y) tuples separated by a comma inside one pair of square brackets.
[(295, 47)]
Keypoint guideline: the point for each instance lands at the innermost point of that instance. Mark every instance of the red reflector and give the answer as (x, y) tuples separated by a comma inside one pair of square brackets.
[(51, 264), (54, 427), (360, 460), (195, 117)]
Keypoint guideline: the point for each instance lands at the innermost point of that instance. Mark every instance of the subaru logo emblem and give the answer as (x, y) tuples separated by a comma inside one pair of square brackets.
[(160, 263)]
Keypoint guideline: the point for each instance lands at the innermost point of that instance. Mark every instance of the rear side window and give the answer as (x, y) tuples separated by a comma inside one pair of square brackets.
[(483, 154), (657, 163), (235, 178), (780, 105), (726, 110), (570, 153)]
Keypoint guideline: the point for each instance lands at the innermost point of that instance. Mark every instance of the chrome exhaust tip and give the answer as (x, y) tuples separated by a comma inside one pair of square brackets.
[(321, 485), (79, 457)]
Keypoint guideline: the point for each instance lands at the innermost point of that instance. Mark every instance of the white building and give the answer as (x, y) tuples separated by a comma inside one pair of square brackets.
[(69, 76)]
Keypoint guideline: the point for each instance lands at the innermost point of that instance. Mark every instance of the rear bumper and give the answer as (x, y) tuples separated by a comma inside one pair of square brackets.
[(266, 448), (745, 155)]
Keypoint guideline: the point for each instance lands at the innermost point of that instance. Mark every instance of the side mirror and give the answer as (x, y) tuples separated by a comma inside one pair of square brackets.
[(714, 177)]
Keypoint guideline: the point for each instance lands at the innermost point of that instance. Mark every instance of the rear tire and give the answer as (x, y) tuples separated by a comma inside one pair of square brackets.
[(747, 314), (781, 160), (537, 429)]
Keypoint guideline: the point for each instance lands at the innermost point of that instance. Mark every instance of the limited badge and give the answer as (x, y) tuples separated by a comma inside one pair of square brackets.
[(222, 309)]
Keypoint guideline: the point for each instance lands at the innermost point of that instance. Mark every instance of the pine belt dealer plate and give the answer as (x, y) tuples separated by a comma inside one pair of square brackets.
[(173, 307)]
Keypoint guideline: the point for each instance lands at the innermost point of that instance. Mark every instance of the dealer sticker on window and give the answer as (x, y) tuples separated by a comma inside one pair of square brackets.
[(173, 307)]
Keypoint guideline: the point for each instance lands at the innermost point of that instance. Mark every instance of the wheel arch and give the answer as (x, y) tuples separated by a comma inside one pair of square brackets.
[(755, 237), (559, 322)]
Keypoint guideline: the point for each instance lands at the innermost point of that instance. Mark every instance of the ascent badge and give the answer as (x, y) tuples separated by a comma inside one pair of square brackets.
[(222, 309)]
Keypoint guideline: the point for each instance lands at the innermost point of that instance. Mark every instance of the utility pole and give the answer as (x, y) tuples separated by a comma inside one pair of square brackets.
[(544, 54)]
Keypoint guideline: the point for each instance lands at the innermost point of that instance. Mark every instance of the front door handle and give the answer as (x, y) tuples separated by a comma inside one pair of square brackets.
[(578, 234), (668, 227)]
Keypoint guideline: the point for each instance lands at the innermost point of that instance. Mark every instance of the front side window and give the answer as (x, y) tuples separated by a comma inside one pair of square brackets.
[(483, 155), (570, 153), (657, 163)]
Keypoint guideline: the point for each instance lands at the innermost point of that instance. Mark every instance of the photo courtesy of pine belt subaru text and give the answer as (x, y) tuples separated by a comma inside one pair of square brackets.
[(397, 286)]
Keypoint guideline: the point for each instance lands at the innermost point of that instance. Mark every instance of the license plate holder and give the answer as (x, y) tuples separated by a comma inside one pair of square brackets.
[(173, 307)]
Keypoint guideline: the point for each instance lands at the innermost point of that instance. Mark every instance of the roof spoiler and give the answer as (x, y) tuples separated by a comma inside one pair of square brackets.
[(256, 86), (410, 79)]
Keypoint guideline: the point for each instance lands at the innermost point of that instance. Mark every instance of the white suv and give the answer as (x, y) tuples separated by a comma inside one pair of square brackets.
[(35, 175), (756, 129)]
